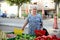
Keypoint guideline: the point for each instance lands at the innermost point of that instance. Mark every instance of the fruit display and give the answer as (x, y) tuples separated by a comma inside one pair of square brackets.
[(11, 36), (39, 32), (49, 37), (21, 36)]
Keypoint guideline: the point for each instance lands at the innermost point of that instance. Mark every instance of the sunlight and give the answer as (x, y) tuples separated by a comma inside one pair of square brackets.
[(8, 9)]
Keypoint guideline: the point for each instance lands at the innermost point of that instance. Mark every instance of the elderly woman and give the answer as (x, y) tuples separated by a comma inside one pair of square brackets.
[(35, 21)]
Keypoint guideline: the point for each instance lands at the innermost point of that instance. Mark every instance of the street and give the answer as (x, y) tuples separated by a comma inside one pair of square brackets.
[(7, 24)]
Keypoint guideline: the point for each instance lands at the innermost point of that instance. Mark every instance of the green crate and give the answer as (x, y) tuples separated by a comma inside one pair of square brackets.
[(11, 38), (23, 36), (9, 32)]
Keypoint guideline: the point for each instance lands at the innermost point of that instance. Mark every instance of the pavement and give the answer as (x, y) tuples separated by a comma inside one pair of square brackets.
[(7, 24), (48, 24)]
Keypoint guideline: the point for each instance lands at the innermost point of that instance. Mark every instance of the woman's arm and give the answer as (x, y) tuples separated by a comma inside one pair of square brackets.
[(26, 22)]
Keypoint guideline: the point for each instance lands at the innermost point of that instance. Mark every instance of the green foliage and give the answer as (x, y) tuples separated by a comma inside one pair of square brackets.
[(24, 15), (40, 13), (17, 2), (58, 15), (56, 0)]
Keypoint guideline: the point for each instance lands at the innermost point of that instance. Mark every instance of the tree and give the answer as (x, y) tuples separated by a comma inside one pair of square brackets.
[(57, 5), (56, 12), (19, 3)]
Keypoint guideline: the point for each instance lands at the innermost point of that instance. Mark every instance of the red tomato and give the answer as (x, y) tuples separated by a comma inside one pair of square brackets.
[(54, 37), (39, 37), (43, 37), (58, 39), (49, 37), (40, 32), (36, 39)]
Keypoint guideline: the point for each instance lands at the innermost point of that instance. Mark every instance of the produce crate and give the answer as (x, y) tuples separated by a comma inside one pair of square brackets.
[(11, 39), (22, 37), (9, 32)]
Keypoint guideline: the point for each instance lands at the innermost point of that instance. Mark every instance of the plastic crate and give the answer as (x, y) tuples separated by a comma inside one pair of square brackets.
[(11, 39)]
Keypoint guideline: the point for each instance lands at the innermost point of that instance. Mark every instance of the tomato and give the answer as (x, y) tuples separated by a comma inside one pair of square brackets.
[(54, 37), (38, 38), (40, 32), (49, 37), (43, 37), (58, 39)]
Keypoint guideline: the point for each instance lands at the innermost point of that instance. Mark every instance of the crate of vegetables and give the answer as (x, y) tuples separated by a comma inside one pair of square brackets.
[(10, 36), (49, 37), (39, 32), (26, 37)]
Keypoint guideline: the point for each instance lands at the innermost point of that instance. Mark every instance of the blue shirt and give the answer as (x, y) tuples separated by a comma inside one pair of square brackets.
[(34, 23)]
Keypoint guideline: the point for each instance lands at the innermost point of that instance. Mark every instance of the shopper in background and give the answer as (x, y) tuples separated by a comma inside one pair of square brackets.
[(4, 15)]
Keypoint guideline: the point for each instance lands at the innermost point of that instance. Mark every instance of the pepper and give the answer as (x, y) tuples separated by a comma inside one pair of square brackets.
[(49, 37), (36, 32), (54, 37), (58, 39), (40, 32), (43, 37), (38, 38)]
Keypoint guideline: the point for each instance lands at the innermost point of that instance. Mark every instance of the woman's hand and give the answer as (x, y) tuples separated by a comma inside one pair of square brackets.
[(22, 28)]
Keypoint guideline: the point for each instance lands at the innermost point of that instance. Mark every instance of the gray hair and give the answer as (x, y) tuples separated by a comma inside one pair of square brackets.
[(33, 7)]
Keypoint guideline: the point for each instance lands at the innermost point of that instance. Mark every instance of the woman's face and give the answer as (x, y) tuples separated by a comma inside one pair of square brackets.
[(34, 11)]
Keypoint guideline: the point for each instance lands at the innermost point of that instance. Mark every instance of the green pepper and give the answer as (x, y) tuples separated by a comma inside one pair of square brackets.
[(27, 36), (31, 38), (34, 37), (24, 36)]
